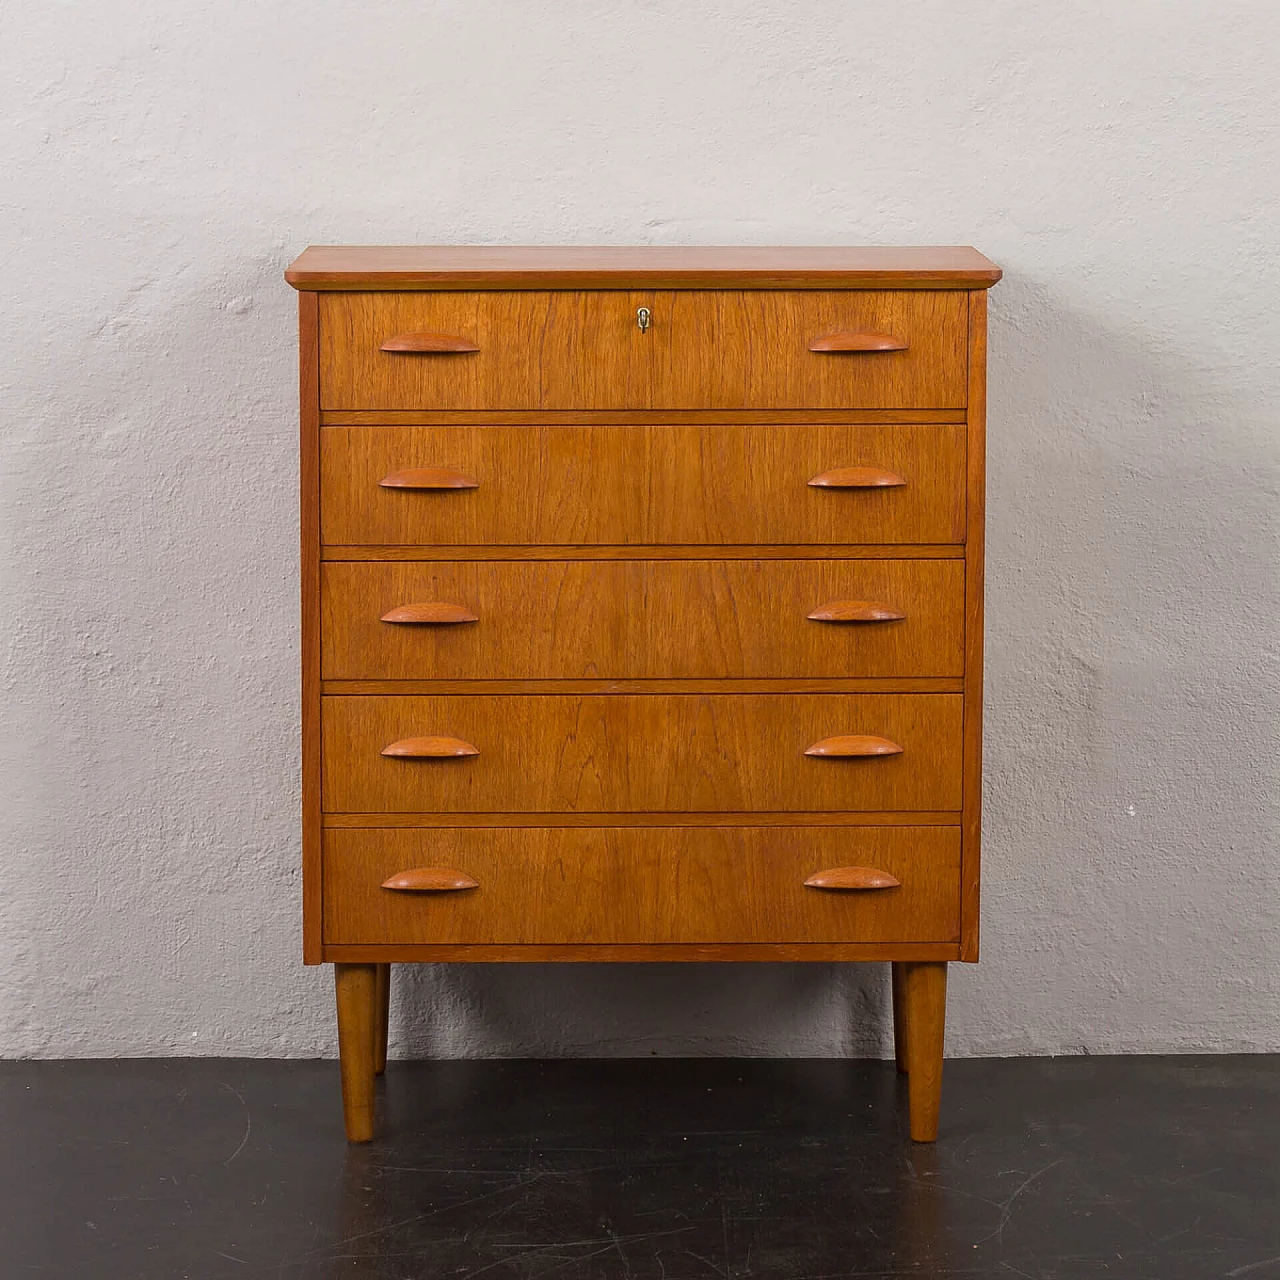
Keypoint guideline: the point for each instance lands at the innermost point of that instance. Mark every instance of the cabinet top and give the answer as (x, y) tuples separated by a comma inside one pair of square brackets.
[(368, 267)]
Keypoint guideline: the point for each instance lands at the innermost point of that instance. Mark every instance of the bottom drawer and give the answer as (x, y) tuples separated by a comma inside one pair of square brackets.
[(571, 885)]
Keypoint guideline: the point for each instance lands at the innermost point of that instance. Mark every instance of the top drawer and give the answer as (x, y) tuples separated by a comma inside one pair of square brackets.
[(721, 349)]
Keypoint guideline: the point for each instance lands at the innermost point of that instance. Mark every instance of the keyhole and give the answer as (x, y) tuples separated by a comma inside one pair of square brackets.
[(643, 316)]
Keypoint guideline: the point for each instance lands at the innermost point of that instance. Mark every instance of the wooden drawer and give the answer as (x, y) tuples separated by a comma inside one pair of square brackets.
[(642, 885), (613, 753), (614, 485), (585, 350), (642, 619), (752, 349)]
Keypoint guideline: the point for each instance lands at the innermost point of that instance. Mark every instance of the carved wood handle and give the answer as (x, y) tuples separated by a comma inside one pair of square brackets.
[(430, 749), (433, 613), (847, 340), (855, 611), (428, 478), (429, 880), (854, 744), (852, 878), (428, 344), (857, 478)]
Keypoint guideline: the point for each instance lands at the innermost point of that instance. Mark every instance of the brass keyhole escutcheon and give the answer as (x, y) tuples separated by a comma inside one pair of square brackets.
[(643, 317)]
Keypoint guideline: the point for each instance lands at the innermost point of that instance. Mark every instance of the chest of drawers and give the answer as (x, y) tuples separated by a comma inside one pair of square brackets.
[(641, 616)]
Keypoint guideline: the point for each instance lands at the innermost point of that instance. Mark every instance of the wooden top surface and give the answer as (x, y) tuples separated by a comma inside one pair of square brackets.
[(369, 267)]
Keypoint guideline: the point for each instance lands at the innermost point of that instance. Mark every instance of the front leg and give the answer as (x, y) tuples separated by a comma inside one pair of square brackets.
[(924, 1003), (356, 988)]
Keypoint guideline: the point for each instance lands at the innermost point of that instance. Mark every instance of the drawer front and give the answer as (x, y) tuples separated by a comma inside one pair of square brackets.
[(648, 753), (751, 349), (642, 619), (642, 885), (534, 350), (719, 349), (612, 485)]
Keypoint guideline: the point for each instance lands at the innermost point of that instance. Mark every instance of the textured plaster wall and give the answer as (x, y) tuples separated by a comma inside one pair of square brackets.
[(163, 161)]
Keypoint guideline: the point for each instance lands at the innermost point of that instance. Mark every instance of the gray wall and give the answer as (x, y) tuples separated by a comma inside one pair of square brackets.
[(170, 157)]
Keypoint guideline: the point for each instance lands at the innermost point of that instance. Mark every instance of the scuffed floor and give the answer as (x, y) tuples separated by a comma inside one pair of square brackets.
[(647, 1169)]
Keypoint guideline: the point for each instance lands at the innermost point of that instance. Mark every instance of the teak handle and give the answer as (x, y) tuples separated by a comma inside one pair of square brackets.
[(433, 613), (434, 748), (852, 878), (859, 341), (854, 744), (429, 880), (428, 478), (855, 611), (428, 344), (857, 478)]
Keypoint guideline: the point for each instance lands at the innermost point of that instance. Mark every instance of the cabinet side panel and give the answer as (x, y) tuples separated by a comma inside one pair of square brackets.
[(309, 522), (974, 554)]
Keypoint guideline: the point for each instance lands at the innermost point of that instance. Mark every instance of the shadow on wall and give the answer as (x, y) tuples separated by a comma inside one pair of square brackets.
[(1132, 484), (1130, 886), (634, 1010), (1130, 895)]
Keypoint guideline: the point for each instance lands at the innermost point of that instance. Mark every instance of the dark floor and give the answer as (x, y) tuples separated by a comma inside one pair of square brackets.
[(651, 1169)]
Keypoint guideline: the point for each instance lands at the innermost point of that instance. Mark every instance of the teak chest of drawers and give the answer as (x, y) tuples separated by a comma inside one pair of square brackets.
[(642, 616)]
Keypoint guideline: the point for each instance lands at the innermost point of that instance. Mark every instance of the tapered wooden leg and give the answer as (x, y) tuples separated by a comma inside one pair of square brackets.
[(356, 986), (899, 1018), (382, 1011), (924, 999)]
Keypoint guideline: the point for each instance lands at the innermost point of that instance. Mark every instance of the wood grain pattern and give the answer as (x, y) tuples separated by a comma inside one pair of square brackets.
[(855, 611), (852, 879), (655, 642), (736, 349), (642, 619), (356, 989), (653, 551), (616, 485), (924, 1006), (638, 952), (632, 417), (899, 684), (636, 754), (429, 880), (854, 342), (428, 478), (538, 350), (309, 580), (973, 629), (857, 478), (721, 349), (852, 745), (434, 747), (650, 266), (429, 613), (429, 344), (633, 885), (756, 818)]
